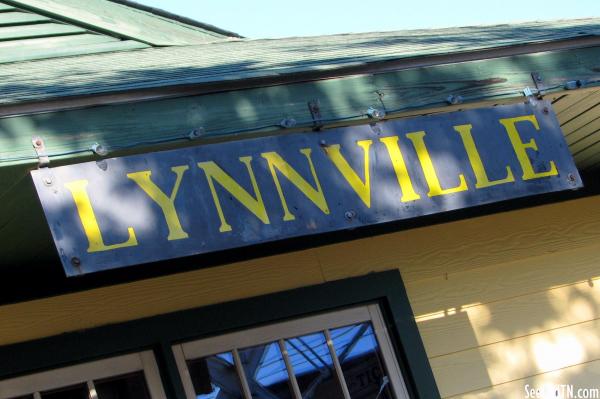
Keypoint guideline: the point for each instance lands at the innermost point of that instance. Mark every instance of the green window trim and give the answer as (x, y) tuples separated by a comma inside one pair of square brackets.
[(159, 333)]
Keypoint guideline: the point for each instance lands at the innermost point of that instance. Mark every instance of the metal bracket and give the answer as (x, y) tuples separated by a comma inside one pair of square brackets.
[(314, 107), (40, 149), (531, 97), (538, 82), (375, 113)]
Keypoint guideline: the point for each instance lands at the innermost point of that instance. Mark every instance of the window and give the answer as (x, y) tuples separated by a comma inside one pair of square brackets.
[(288, 345), (123, 377), (339, 355)]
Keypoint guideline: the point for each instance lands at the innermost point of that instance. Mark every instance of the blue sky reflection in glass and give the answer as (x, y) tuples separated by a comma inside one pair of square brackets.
[(313, 367), (362, 364), (266, 372)]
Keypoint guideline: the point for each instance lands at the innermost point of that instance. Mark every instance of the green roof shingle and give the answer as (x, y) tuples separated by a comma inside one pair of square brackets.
[(41, 29)]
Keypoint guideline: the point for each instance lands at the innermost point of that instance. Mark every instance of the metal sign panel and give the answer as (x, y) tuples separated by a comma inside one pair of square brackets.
[(143, 208)]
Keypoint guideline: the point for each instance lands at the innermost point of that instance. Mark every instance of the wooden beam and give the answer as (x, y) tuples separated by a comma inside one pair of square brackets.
[(242, 112), (62, 46), (194, 82), (19, 18), (38, 30), (5, 7)]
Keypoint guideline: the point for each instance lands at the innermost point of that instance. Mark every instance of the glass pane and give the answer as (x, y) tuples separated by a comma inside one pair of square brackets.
[(265, 371), (131, 386), (313, 367), (24, 397), (73, 392), (358, 352), (215, 377)]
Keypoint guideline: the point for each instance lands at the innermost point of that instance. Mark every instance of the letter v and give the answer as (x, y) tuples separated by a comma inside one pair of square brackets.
[(362, 188)]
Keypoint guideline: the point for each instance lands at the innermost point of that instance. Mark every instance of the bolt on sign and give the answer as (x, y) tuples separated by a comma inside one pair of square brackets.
[(163, 205)]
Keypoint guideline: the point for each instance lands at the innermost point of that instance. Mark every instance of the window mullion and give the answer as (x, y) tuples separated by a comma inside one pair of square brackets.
[(387, 352), (241, 374), (290, 370), (184, 372), (92, 389), (337, 366)]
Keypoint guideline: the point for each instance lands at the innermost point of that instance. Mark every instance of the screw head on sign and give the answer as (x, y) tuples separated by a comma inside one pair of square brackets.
[(288, 123), (454, 100), (75, 261), (349, 215), (98, 149), (47, 181), (375, 113), (195, 133)]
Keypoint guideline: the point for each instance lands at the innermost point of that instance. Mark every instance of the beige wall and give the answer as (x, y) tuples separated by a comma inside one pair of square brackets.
[(501, 301)]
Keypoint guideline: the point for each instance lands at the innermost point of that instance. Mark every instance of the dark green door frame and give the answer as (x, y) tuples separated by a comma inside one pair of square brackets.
[(161, 332)]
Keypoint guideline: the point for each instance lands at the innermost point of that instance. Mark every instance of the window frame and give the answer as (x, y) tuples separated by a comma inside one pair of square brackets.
[(160, 333), (277, 332), (86, 373)]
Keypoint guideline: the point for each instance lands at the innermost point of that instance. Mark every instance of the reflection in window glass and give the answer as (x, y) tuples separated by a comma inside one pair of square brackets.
[(362, 364), (74, 392), (265, 371), (131, 386), (313, 367), (215, 377)]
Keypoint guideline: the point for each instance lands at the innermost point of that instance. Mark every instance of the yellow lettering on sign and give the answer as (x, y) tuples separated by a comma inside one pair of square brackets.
[(408, 192), (167, 204), (315, 195), (363, 189), (433, 181), (254, 205), (482, 179), (520, 148), (88, 220)]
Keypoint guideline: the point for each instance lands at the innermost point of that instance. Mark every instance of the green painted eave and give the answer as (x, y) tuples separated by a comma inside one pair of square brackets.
[(231, 114), (240, 60)]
